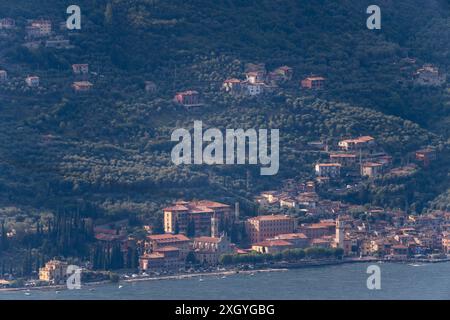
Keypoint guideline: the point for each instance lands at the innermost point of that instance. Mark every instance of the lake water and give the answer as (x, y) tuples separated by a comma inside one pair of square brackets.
[(348, 281)]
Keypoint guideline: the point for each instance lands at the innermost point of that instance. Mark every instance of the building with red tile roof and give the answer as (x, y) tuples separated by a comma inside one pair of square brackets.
[(197, 214), (272, 246), (313, 83), (268, 226)]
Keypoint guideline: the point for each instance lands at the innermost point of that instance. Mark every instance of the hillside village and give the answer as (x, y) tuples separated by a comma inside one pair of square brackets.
[(43, 33), (302, 222), (208, 234), (273, 240)]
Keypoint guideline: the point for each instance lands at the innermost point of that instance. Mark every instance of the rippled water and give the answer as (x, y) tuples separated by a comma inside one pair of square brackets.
[(398, 281)]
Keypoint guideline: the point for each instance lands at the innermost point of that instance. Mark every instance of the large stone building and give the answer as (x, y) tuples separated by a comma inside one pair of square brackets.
[(331, 170), (344, 159), (298, 240), (318, 230), (54, 271), (155, 243), (164, 258), (263, 227), (207, 250), (272, 246), (195, 216)]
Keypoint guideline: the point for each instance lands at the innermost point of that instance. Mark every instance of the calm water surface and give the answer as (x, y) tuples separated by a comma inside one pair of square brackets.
[(398, 281)]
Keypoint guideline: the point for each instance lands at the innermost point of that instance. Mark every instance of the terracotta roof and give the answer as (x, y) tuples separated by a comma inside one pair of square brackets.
[(166, 249), (372, 164), (329, 164), (197, 206), (271, 217), (321, 225), (82, 84), (188, 92), (167, 238), (426, 150), (207, 239), (315, 78), (291, 236), (320, 240), (152, 256), (232, 80), (176, 208), (343, 155), (272, 243), (201, 210), (361, 139)]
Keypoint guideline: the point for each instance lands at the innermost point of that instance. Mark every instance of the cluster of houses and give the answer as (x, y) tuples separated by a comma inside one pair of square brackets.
[(300, 196), (362, 157), (41, 31), (207, 219), (80, 71), (398, 237), (258, 80), (388, 234), (405, 237), (194, 231), (199, 231)]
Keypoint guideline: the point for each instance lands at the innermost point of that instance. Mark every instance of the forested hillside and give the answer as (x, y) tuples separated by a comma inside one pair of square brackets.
[(107, 154)]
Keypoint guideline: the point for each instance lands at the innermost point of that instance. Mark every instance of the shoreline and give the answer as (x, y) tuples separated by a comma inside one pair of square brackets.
[(281, 267), (204, 274), (149, 278)]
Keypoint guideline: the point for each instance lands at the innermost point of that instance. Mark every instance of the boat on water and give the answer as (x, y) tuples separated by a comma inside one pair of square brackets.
[(27, 293)]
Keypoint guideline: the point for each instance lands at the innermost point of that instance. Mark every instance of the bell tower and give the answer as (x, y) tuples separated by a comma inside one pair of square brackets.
[(340, 233), (214, 226)]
